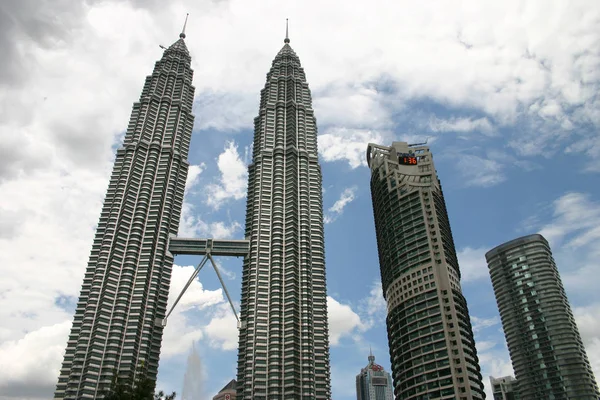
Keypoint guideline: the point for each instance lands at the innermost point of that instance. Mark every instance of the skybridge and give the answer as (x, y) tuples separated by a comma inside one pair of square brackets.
[(207, 248)]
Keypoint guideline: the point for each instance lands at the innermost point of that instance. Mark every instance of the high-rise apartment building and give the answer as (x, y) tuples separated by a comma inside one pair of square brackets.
[(373, 383), (545, 348), (505, 388), (431, 343), (126, 283), (284, 345)]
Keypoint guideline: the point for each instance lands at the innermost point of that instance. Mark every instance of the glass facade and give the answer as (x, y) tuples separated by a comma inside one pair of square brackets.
[(432, 349), (126, 283), (284, 339), (545, 347)]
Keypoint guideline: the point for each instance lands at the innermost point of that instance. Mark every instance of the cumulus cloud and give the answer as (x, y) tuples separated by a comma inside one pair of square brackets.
[(337, 209), (350, 145), (193, 176), (369, 107), (233, 180), (480, 171), (343, 321), (193, 227), (64, 104), (31, 364), (589, 328), (574, 237), (373, 308), (482, 125), (473, 265), (222, 329)]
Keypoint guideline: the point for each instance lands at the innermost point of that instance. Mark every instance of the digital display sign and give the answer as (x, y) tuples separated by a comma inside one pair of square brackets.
[(379, 381), (407, 160)]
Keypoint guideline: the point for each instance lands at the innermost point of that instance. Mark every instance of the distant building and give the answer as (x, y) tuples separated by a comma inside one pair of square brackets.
[(545, 347), (228, 392), (505, 388), (429, 331), (373, 383)]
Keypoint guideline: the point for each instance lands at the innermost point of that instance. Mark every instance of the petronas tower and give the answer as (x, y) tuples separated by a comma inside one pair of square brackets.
[(284, 345), (126, 283)]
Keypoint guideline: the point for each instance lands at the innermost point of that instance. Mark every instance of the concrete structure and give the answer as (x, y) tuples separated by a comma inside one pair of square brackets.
[(430, 337), (284, 345), (547, 354), (373, 383), (505, 388), (126, 283), (228, 392)]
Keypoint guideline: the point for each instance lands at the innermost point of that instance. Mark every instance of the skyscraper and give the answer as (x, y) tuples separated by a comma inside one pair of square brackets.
[(430, 338), (284, 345), (543, 341), (505, 388), (373, 383), (126, 283)]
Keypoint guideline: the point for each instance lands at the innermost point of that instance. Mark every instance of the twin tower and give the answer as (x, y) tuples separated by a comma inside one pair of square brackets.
[(284, 344)]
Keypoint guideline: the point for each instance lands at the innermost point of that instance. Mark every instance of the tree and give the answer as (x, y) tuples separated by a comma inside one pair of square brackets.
[(139, 388)]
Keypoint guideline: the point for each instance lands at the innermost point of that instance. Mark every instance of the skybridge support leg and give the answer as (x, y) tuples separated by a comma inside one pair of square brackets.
[(224, 287), (163, 322)]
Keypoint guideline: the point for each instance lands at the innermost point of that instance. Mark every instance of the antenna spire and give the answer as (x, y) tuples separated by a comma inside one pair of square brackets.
[(287, 38), (182, 34)]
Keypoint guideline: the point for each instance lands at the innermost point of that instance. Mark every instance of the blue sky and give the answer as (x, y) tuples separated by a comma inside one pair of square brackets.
[(507, 94)]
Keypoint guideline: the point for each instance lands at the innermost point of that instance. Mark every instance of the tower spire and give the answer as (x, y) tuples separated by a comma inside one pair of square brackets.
[(287, 37), (182, 34)]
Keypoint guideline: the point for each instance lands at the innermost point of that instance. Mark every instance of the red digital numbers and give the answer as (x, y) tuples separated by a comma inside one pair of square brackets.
[(408, 161)]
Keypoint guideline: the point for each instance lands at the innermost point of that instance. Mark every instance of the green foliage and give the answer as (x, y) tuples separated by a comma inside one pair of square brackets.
[(139, 388)]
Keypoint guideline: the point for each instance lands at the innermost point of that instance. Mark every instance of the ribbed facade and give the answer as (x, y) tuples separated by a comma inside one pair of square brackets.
[(126, 283), (545, 347), (431, 343), (373, 383), (284, 345)]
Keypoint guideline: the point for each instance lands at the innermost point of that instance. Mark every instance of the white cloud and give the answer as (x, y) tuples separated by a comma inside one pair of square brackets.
[(479, 171), (346, 197), (343, 321), (193, 176), (341, 144), (574, 237), (589, 329), (473, 265), (483, 323), (193, 227), (368, 105), (373, 308), (537, 63), (233, 179), (222, 329), (33, 360), (482, 125)]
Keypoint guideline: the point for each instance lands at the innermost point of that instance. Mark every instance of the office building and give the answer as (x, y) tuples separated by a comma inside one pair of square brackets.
[(126, 283), (228, 392), (284, 345), (505, 388), (545, 348), (373, 383), (431, 344)]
